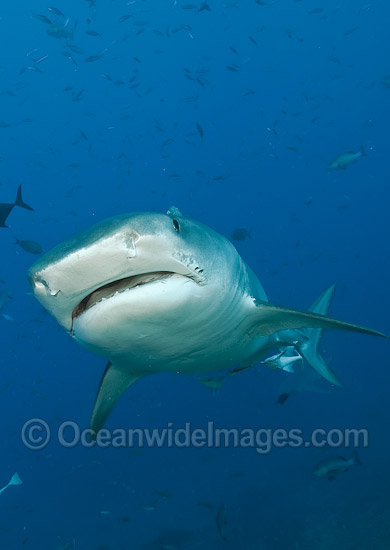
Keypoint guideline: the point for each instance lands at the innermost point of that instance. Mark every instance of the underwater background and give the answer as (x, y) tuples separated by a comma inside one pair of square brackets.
[(233, 111)]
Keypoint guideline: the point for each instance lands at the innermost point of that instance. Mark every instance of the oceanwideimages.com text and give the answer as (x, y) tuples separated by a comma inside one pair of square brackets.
[(37, 434)]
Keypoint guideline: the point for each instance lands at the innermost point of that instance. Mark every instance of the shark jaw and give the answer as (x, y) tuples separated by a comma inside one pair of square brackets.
[(99, 264), (111, 290), (150, 291)]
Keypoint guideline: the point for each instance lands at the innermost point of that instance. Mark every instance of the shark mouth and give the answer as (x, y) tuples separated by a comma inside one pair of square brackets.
[(122, 285)]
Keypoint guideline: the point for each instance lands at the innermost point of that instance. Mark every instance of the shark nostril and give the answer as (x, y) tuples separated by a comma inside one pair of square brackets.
[(39, 285)]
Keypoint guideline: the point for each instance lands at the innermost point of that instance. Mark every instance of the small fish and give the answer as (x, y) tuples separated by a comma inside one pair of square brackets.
[(282, 398), (15, 480), (206, 505), (124, 519), (30, 246), (315, 10), (386, 81), (200, 130), (42, 18), (68, 545), (93, 33), (76, 97), (240, 234), (125, 17), (8, 317), (283, 360), (31, 52), (221, 521), (221, 177), (236, 475), (350, 31), (346, 159), (40, 59), (235, 371), (163, 494), (191, 98), (166, 143), (5, 295), (56, 11), (92, 58), (69, 56), (215, 383), (30, 68), (204, 7), (59, 31), (74, 49), (331, 466)]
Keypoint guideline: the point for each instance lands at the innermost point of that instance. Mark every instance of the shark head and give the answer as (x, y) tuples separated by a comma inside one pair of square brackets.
[(107, 284)]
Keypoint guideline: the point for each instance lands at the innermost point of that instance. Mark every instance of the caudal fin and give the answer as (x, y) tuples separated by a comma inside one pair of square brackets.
[(310, 349), (19, 201), (311, 324)]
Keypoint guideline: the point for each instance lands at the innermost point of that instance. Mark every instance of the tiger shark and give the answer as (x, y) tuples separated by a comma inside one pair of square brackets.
[(154, 292)]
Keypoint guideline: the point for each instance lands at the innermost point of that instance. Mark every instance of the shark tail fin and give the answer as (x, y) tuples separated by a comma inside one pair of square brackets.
[(316, 361), (19, 201), (310, 349), (115, 381), (311, 324)]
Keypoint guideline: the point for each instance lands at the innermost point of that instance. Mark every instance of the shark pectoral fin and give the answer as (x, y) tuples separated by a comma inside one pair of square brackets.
[(115, 381), (270, 319)]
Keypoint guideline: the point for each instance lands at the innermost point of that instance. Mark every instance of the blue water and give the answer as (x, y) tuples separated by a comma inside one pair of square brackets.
[(278, 91)]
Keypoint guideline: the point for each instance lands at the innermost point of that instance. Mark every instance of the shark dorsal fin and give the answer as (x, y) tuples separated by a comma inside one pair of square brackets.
[(174, 211)]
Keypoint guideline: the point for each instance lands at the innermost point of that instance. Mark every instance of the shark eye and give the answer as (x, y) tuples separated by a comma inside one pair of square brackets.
[(176, 225)]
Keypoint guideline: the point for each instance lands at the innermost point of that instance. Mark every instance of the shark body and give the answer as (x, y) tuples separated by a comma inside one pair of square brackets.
[(158, 292)]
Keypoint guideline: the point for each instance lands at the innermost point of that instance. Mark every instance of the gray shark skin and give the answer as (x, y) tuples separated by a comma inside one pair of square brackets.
[(155, 292)]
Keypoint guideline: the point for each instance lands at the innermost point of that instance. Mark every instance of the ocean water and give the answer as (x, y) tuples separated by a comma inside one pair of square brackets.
[(231, 110)]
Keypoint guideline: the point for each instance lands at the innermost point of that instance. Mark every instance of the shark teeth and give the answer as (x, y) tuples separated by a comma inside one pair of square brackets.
[(114, 288)]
